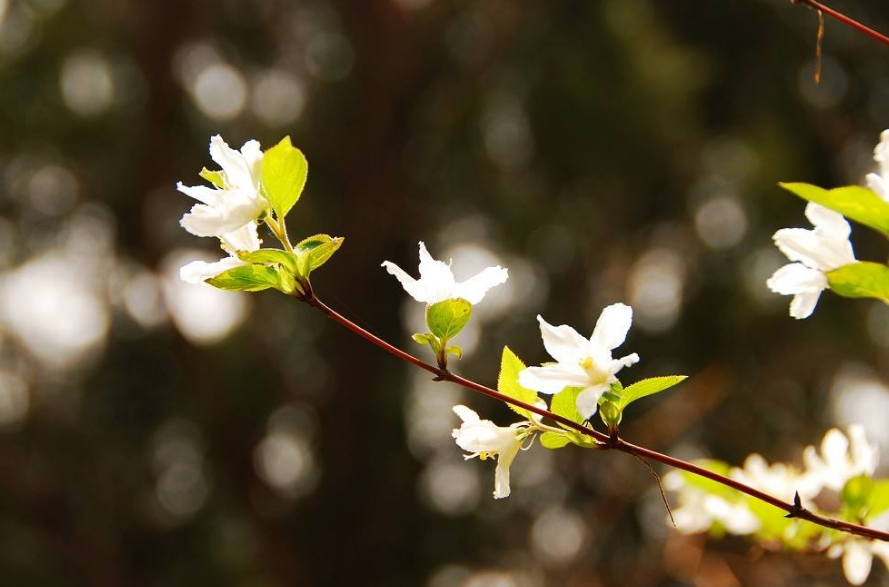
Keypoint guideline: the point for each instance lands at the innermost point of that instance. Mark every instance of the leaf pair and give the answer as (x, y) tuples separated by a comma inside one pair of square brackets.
[(445, 321), (282, 270)]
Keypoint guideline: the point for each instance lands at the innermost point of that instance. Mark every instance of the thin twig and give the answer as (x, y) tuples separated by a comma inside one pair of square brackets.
[(844, 19), (604, 441), (660, 487)]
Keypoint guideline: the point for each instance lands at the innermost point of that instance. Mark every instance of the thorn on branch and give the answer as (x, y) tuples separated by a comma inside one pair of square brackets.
[(797, 508)]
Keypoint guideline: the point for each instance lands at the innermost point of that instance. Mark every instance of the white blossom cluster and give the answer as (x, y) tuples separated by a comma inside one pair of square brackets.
[(842, 458)]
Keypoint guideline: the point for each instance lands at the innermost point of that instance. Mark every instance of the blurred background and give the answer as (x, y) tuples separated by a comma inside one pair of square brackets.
[(154, 433)]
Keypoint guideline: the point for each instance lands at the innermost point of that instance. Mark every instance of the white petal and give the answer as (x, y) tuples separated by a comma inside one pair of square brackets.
[(627, 361), (814, 250), (253, 156), (413, 287), (198, 271), (612, 326), (436, 277), (803, 304), (865, 456), (881, 549), (237, 170), (878, 184), (563, 343), (466, 414), (501, 474), (795, 278), (828, 222), (203, 221), (881, 152), (553, 378), (474, 289), (834, 448), (201, 193), (245, 238), (588, 399), (857, 561)]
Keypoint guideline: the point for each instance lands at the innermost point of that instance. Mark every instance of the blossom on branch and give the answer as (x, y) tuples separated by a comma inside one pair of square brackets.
[(437, 283), (879, 182), (582, 362), (841, 458), (858, 556), (234, 200), (814, 252), (484, 439), (245, 238)]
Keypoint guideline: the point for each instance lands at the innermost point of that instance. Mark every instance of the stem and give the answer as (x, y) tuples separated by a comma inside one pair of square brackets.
[(844, 19), (794, 510)]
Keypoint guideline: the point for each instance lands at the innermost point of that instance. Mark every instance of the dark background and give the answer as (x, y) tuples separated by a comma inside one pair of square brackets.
[(157, 434)]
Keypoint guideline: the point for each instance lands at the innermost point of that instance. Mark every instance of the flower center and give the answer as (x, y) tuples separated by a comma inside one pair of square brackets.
[(594, 372)]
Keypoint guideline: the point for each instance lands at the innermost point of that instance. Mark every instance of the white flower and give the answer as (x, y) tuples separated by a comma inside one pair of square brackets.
[(483, 438), (841, 459), (778, 479), (437, 282), (243, 239), (581, 362), (879, 182), (816, 252), (698, 510), (238, 202), (858, 557)]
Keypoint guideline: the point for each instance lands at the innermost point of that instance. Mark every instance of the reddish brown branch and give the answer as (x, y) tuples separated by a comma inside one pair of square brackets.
[(794, 510), (844, 19)]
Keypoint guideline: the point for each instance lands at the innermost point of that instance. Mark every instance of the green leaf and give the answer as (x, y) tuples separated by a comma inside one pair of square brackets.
[(508, 382), (247, 278), (270, 257), (318, 249), (446, 319), (860, 280), (214, 177), (426, 338), (610, 413), (854, 202), (284, 173), (879, 498), (554, 440), (855, 494), (454, 350), (645, 388), (565, 404)]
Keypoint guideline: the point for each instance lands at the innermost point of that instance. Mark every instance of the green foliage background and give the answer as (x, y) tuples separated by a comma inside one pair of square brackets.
[(577, 136)]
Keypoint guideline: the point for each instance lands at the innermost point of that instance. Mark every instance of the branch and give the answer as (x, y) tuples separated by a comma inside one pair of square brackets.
[(844, 19), (794, 510)]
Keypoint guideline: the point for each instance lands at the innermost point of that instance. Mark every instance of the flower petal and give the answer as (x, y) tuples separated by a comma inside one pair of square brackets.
[(795, 278), (588, 399), (237, 170), (414, 288), (563, 343), (203, 194), (828, 222), (436, 277), (501, 474), (198, 271), (466, 414), (813, 249), (553, 378), (857, 561), (627, 361), (612, 326), (245, 238), (878, 184), (474, 289)]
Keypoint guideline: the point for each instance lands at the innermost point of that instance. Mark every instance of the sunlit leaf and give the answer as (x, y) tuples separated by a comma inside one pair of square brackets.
[(248, 278), (214, 177), (861, 280), (646, 387), (284, 174), (446, 319), (854, 202), (508, 382), (554, 440)]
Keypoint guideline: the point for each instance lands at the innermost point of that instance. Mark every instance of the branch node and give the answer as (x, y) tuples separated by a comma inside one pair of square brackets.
[(797, 509)]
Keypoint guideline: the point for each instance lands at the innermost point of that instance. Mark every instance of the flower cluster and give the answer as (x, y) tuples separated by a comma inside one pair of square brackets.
[(840, 472)]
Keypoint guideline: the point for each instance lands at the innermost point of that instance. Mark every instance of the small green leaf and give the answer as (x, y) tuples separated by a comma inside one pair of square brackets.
[(284, 173), (446, 319), (860, 280), (879, 498), (508, 382), (318, 249), (270, 257), (214, 177), (854, 202), (247, 278), (565, 404), (454, 350), (645, 388), (554, 440), (425, 339), (855, 494), (610, 413)]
